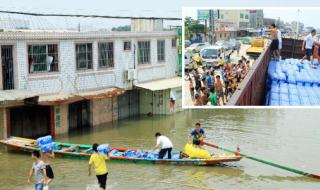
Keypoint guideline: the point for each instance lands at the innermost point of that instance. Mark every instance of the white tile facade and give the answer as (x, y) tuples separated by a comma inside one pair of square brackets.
[(70, 80)]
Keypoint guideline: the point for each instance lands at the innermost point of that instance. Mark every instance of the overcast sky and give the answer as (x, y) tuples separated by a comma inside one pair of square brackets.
[(167, 8), (306, 16)]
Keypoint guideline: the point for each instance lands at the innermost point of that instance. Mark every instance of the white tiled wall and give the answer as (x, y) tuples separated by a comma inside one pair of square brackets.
[(69, 80)]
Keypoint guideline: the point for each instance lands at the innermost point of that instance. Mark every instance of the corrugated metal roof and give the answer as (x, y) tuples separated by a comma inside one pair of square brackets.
[(161, 84)]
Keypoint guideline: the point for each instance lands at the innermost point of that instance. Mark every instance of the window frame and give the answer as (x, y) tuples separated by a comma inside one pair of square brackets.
[(86, 53), (107, 58), (174, 42), (163, 55), (145, 55), (124, 46), (55, 61)]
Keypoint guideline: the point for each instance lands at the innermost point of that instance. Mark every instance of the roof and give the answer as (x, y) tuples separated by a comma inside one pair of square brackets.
[(14, 96), (60, 35), (161, 84), (18, 97), (68, 98)]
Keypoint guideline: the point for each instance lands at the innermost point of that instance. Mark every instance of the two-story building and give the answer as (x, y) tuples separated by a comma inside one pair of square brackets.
[(53, 82)]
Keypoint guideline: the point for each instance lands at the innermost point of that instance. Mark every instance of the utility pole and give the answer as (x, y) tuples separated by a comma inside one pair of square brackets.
[(212, 31)]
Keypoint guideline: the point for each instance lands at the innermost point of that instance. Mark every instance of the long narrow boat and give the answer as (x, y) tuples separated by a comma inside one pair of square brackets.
[(84, 152)]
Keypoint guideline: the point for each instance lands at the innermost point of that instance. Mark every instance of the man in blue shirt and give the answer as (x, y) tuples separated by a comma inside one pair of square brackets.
[(197, 135), (208, 78)]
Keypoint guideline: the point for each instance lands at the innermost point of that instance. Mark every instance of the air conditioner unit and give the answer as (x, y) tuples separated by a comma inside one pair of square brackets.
[(132, 74)]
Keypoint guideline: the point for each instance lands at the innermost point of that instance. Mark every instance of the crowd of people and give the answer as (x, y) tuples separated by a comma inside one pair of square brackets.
[(214, 84)]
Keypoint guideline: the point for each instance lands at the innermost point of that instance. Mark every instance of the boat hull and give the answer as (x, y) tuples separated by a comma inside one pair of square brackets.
[(24, 145)]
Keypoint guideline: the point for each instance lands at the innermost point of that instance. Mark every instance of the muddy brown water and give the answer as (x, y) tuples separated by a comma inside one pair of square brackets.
[(290, 137)]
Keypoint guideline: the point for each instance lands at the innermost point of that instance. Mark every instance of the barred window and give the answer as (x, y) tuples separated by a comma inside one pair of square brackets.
[(174, 42), (43, 58), (144, 52), (106, 55), (161, 50), (127, 46), (84, 56)]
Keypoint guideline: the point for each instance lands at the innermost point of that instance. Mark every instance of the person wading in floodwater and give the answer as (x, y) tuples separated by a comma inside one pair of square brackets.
[(99, 162), (39, 170), (197, 135), (46, 156)]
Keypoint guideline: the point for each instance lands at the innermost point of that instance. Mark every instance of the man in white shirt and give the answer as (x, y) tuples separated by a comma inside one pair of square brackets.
[(308, 46), (165, 144)]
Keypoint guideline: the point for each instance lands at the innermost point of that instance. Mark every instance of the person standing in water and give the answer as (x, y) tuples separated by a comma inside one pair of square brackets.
[(38, 169), (46, 156), (98, 161)]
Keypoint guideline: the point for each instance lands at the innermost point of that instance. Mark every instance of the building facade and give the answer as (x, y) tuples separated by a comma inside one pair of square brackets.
[(256, 18), (239, 17), (53, 82)]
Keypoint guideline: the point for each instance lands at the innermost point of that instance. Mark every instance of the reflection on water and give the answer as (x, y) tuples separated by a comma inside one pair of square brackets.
[(289, 137)]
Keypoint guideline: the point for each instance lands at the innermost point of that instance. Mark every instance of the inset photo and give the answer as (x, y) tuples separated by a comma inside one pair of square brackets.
[(251, 57)]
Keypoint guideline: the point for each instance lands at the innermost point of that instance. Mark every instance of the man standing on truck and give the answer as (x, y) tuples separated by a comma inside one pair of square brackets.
[(280, 41), (308, 46), (275, 41)]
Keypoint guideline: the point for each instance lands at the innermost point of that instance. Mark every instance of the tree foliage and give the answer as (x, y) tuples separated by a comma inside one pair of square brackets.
[(193, 26)]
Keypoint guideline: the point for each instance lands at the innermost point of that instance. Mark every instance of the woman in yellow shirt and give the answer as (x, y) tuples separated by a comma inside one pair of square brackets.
[(98, 161)]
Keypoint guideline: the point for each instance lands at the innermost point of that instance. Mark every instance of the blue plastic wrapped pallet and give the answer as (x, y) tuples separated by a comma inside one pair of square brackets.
[(103, 148), (48, 147), (44, 140), (290, 82)]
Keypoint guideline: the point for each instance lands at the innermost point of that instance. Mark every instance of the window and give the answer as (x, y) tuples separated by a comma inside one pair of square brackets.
[(84, 56), (247, 17), (127, 46), (43, 58), (105, 54), (174, 42), (144, 52), (161, 50), (221, 16), (241, 15)]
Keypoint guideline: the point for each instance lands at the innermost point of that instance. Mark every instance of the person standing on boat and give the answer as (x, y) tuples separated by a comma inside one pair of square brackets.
[(38, 169), (99, 162), (197, 135), (166, 145), (46, 156)]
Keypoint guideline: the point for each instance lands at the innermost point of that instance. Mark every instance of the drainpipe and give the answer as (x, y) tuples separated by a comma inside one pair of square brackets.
[(134, 65)]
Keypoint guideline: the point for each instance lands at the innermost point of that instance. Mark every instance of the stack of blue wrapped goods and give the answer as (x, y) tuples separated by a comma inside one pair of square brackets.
[(46, 143), (291, 83)]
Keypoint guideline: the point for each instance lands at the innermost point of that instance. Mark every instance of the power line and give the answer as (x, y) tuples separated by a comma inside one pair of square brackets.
[(85, 16)]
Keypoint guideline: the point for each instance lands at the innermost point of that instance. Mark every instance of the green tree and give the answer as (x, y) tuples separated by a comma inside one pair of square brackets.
[(193, 26)]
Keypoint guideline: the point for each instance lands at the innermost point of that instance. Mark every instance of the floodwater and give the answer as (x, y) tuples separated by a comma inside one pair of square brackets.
[(290, 137)]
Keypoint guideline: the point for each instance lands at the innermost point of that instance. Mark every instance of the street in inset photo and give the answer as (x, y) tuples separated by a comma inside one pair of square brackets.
[(251, 57)]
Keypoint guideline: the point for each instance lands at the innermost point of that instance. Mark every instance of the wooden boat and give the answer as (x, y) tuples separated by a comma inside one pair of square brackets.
[(85, 151)]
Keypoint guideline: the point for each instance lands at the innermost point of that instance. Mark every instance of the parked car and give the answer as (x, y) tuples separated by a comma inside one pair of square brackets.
[(196, 47), (220, 43), (210, 54)]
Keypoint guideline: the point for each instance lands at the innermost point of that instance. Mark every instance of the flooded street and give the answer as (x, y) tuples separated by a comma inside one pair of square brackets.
[(288, 137)]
